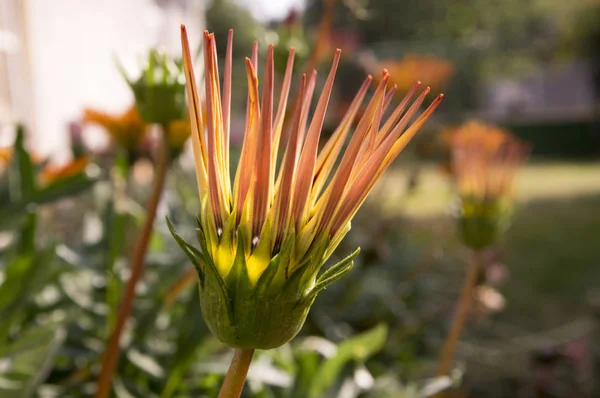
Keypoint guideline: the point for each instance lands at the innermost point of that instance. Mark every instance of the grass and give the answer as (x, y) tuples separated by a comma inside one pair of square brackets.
[(535, 181), (552, 248)]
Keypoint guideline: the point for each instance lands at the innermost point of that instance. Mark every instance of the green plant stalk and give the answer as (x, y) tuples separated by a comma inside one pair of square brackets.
[(236, 375), (111, 355), (464, 305)]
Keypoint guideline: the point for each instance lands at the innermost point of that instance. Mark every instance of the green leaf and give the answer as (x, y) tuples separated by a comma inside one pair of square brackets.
[(63, 187), (22, 174), (193, 339), (27, 236), (29, 360), (356, 349)]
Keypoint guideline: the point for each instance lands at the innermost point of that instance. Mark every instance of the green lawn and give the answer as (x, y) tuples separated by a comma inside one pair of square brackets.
[(552, 248), (535, 181)]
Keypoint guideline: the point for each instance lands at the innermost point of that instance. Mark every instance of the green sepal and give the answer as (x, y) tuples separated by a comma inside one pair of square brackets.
[(334, 273), (268, 309), (190, 251), (215, 302), (482, 222), (293, 285), (202, 239), (237, 280), (339, 266), (316, 253), (275, 275), (227, 235)]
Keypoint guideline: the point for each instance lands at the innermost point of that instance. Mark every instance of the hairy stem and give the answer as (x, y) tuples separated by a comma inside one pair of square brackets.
[(111, 355), (236, 375)]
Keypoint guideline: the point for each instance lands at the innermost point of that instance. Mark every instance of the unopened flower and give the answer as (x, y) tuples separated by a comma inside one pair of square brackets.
[(265, 235), (159, 89), (485, 160)]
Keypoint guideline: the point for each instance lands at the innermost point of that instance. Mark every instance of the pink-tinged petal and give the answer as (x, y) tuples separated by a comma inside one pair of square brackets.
[(398, 129), (220, 136), (306, 100), (243, 175), (264, 169), (395, 116), (369, 144), (243, 181), (283, 198), (308, 156), (310, 90), (254, 57), (217, 200), (331, 150), (334, 192), (227, 101), (389, 96), (281, 107), (377, 164), (195, 112)]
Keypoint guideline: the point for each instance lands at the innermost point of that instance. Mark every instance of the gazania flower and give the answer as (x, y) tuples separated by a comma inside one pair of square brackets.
[(485, 160), (266, 234), (127, 130)]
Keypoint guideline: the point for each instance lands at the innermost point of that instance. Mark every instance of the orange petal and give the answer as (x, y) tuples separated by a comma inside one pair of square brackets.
[(308, 157), (393, 119), (281, 107), (245, 168), (377, 164), (227, 100), (264, 169), (285, 191), (215, 181), (330, 199), (195, 112), (332, 148)]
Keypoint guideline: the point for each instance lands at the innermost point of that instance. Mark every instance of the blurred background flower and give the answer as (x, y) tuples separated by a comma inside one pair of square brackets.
[(126, 130)]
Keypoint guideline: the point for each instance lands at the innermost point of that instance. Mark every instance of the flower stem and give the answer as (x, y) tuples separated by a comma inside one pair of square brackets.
[(464, 305), (111, 355), (236, 375)]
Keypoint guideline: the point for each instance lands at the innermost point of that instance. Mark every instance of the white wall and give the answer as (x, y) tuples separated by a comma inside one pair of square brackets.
[(71, 46)]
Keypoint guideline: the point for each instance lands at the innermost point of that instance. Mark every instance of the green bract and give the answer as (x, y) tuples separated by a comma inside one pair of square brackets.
[(270, 312), (483, 221)]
